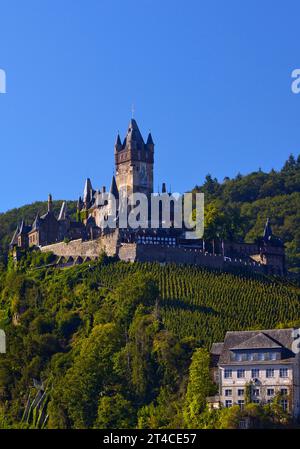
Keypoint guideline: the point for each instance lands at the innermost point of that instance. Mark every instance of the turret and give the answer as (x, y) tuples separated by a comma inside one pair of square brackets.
[(36, 223), (87, 193), (79, 204), (50, 203), (134, 162), (150, 143), (118, 144), (14, 240), (113, 188)]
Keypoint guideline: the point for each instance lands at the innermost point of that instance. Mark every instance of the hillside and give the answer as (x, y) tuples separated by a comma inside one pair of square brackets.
[(235, 209), (113, 341)]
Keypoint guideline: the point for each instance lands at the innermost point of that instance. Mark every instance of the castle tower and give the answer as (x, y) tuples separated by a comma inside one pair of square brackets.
[(134, 161)]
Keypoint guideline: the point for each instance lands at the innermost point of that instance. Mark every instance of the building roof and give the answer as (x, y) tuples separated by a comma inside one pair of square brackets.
[(118, 141), (63, 211), (150, 140), (36, 223), (113, 188), (260, 339), (24, 229), (217, 348), (88, 190), (134, 134), (14, 239), (268, 230)]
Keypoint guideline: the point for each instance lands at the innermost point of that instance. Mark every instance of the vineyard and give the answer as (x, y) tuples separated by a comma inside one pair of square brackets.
[(195, 302)]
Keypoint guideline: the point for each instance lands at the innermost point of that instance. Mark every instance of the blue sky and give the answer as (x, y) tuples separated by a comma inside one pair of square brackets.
[(211, 79)]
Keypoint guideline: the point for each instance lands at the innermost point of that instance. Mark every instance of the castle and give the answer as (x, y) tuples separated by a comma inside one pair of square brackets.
[(74, 241)]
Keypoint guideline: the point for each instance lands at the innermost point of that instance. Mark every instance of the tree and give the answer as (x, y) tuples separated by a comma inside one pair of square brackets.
[(115, 412), (199, 387)]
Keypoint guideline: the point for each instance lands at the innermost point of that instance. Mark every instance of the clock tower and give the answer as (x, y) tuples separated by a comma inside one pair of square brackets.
[(134, 161)]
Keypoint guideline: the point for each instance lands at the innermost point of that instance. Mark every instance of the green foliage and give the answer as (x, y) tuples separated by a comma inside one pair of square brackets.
[(113, 336), (237, 208), (199, 387), (115, 412)]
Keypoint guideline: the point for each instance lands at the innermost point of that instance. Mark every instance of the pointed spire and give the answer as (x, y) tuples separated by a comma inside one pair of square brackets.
[(36, 223), (22, 227), (118, 144), (118, 141), (14, 240), (150, 140), (79, 204), (114, 188), (87, 191), (133, 134), (268, 230), (63, 212), (50, 203)]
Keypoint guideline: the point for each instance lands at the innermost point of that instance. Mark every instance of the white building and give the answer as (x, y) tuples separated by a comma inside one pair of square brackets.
[(257, 365)]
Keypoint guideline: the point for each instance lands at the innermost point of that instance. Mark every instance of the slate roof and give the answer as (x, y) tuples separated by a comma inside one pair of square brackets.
[(114, 188), (24, 229), (63, 212), (134, 135), (88, 191), (150, 140), (216, 351), (15, 236), (260, 339), (217, 348), (118, 141), (36, 223)]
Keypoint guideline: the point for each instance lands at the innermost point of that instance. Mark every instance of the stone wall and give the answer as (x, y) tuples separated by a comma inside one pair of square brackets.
[(128, 252), (89, 248), (132, 252), (180, 255)]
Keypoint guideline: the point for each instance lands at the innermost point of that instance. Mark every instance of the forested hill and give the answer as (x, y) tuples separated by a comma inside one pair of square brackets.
[(235, 208), (121, 345)]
